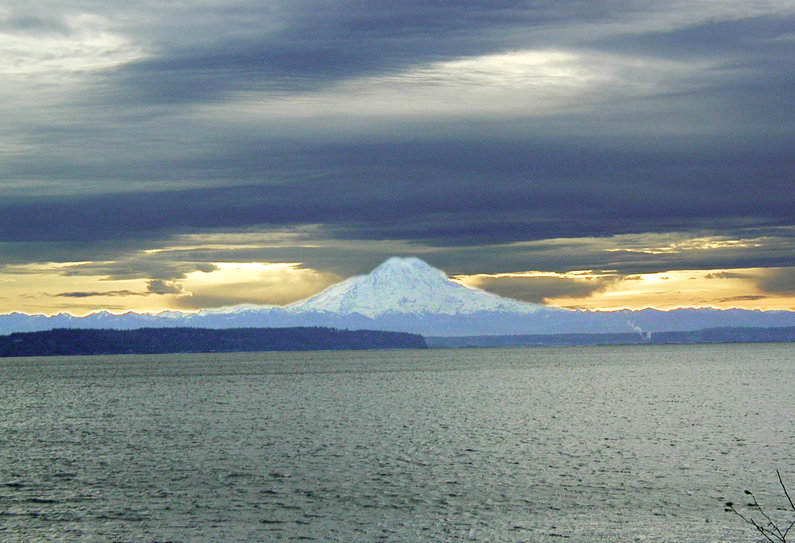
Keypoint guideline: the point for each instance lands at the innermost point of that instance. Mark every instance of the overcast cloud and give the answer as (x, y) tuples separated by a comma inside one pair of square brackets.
[(487, 137)]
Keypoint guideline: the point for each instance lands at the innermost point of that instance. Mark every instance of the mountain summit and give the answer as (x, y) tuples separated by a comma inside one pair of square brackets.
[(407, 286)]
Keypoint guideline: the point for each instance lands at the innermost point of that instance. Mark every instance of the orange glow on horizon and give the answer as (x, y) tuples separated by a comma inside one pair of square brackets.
[(717, 289), (74, 288)]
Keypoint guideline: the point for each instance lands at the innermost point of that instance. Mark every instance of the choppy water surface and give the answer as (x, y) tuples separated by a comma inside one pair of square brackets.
[(638, 443)]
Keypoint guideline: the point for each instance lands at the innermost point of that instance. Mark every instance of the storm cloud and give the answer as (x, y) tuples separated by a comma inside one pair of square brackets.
[(486, 137)]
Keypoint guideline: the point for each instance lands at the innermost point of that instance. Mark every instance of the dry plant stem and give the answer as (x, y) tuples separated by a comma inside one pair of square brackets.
[(792, 505), (771, 530)]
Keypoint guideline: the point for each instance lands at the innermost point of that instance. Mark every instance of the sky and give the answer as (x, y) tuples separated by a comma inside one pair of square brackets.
[(190, 155)]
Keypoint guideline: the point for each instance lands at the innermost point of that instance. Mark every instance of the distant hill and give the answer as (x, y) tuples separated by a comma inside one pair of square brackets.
[(708, 335), (69, 342)]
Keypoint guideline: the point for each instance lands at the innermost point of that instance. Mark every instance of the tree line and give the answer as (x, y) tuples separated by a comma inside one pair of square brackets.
[(72, 342)]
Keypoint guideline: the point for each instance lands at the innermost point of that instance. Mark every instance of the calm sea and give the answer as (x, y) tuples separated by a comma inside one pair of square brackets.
[(612, 444)]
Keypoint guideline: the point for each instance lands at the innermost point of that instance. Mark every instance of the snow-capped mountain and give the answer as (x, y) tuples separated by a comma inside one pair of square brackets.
[(408, 295), (408, 286)]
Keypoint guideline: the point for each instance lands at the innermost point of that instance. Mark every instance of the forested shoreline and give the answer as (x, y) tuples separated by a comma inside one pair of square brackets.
[(73, 342)]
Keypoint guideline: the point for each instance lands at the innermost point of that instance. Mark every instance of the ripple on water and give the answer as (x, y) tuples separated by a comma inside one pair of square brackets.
[(578, 444)]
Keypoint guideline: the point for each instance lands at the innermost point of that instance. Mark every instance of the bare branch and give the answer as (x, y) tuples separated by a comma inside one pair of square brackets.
[(772, 530), (781, 482)]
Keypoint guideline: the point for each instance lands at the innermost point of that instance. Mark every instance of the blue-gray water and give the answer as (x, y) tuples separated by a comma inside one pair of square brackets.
[(640, 443)]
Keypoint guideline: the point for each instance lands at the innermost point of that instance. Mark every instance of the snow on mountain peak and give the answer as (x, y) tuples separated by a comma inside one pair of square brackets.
[(409, 270), (408, 286)]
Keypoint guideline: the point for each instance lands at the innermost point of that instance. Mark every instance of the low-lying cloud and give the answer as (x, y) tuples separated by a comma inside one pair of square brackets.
[(96, 293), (537, 288), (778, 281), (158, 286)]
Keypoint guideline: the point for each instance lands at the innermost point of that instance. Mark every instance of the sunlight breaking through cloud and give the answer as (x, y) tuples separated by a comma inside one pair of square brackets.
[(532, 83), (85, 45)]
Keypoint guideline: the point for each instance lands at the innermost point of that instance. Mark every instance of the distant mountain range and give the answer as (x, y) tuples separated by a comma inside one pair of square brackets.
[(408, 295)]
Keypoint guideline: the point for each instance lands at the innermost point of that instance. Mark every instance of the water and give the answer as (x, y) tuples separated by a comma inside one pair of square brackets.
[(639, 443)]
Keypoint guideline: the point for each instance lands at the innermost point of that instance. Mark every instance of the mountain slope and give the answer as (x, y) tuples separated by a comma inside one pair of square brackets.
[(406, 286)]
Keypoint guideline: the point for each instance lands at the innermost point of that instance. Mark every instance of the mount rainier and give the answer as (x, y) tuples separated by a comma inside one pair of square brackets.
[(407, 286), (408, 295)]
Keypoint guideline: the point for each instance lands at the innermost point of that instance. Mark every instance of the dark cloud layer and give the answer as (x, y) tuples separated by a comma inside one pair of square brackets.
[(93, 294), (307, 45), (524, 195), (571, 120), (538, 289)]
